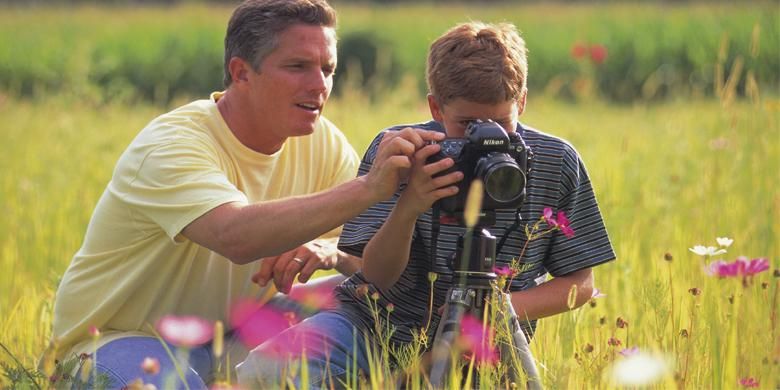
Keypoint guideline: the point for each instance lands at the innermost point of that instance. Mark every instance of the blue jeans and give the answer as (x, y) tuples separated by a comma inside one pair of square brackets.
[(334, 350), (120, 360)]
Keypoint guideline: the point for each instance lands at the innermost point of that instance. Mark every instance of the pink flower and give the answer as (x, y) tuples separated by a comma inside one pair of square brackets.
[(597, 293), (723, 269), (477, 340), (740, 267), (185, 331), (558, 222), (598, 54), (255, 323), (578, 51), (547, 216), (563, 224), (754, 266), (748, 382), (626, 352), (504, 271)]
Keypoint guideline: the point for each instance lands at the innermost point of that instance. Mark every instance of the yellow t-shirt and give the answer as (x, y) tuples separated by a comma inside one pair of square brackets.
[(134, 265)]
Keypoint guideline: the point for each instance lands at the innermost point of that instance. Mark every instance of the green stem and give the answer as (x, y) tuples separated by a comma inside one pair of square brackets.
[(18, 363)]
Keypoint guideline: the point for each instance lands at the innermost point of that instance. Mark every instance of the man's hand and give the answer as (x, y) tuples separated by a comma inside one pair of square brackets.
[(301, 261), (394, 158), (423, 188)]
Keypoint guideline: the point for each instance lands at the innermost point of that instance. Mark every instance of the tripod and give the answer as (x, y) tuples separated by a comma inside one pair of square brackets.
[(473, 286)]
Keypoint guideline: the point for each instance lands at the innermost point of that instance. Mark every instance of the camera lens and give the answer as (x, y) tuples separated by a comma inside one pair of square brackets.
[(504, 180)]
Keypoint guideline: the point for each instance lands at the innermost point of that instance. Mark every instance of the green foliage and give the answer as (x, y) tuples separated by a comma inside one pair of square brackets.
[(654, 51)]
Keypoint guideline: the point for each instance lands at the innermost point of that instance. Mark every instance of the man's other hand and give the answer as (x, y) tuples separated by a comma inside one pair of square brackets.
[(301, 261)]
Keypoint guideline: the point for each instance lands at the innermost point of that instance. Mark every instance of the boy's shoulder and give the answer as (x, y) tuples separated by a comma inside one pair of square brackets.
[(430, 125), (544, 143)]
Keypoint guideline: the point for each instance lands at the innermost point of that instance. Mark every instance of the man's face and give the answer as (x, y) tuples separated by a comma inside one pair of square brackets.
[(457, 114), (292, 84)]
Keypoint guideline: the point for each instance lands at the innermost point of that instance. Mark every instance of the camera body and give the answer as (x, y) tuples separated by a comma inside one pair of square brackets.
[(487, 152)]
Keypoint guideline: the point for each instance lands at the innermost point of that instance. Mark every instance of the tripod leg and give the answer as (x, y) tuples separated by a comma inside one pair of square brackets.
[(446, 333), (519, 348)]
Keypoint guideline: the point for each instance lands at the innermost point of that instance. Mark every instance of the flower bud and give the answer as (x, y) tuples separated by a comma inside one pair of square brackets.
[(150, 366), (473, 204)]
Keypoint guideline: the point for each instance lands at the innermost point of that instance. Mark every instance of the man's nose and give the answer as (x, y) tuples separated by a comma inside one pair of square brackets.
[(319, 81)]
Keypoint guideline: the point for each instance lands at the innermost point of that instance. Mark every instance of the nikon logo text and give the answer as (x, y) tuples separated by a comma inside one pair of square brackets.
[(488, 142)]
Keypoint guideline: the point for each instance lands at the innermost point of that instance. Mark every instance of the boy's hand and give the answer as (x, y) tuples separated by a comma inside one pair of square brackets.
[(394, 158), (423, 189)]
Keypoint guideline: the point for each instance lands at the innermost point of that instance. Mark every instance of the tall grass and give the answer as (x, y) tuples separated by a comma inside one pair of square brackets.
[(667, 176)]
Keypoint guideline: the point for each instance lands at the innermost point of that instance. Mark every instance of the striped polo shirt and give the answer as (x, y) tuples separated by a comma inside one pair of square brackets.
[(557, 179)]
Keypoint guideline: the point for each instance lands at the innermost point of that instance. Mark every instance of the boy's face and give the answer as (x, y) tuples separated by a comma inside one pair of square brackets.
[(457, 114)]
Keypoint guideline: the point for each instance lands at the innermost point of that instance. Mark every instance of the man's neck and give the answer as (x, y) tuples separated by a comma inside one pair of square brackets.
[(251, 134)]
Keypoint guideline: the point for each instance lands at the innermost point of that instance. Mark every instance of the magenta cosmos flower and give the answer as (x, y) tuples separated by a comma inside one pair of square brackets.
[(504, 271), (739, 267), (559, 221), (185, 331), (477, 340)]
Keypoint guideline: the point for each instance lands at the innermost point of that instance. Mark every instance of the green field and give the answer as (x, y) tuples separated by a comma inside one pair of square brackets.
[(669, 175)]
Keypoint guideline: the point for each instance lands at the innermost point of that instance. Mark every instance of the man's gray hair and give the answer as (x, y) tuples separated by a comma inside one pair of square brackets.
[(253, 30)]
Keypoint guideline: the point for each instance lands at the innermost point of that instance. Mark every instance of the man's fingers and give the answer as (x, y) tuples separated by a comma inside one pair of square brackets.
[(307, 271), (293, 267), (279, 269), (264, 274)]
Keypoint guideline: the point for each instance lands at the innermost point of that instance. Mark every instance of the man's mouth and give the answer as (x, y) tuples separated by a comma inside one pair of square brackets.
[(313, 107)]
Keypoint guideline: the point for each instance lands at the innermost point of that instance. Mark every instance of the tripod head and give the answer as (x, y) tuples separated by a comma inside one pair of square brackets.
[(475, 257)]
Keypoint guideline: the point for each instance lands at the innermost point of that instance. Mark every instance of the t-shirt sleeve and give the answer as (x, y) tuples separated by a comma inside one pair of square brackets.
[(173, 183), (359, 230), (345, 169), (590, 244)]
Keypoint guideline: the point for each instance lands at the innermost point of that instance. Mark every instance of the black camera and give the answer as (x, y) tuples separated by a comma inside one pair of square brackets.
[(487, 152)]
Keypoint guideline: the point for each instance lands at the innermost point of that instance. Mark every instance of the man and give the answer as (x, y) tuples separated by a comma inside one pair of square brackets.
[(251, 181), (475, 72)]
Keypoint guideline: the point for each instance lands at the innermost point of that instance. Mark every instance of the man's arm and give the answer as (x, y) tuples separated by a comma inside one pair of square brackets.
[(248, 232), (552, 297)]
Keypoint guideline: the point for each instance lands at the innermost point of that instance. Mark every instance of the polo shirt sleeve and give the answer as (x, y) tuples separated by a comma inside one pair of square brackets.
[(590, 244), (359, 230)]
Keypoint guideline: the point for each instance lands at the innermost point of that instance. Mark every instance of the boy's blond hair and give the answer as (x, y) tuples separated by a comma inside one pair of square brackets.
[(478, 62)]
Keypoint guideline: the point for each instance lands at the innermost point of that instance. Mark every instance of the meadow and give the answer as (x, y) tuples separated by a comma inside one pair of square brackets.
[(669, 174)]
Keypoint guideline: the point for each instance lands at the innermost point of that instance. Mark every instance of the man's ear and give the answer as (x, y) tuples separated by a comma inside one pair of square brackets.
[(239, 70), (433, 105)]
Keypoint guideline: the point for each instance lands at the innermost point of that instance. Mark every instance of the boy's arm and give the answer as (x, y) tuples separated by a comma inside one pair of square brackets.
[(387, 253), (552, 297)]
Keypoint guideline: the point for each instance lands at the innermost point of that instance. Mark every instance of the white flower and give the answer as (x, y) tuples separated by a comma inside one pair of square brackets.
[(640, 369), (724, 242), (702, 250)]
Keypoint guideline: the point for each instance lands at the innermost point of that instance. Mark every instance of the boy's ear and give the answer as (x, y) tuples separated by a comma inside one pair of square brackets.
[(521, 103), (435, 109)]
